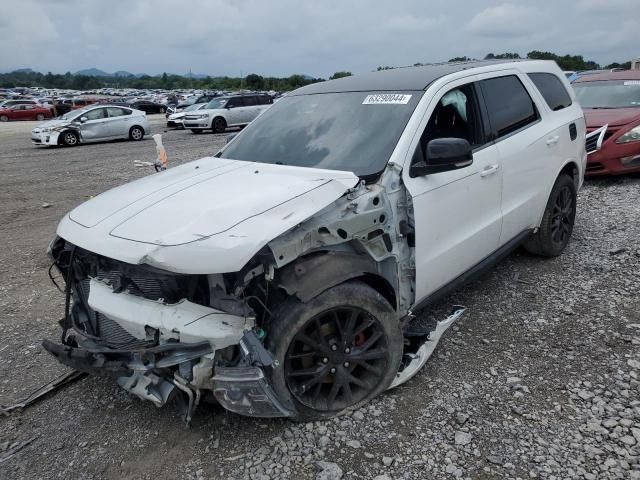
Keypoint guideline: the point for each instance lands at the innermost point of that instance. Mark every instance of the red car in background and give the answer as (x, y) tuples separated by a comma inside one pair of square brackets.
[(24, 112), (612, 99)]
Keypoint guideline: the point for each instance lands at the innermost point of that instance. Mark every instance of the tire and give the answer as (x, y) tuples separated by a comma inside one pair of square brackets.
[(197, 132), (39, 117), (70, 139), (219, 125), (136, 133), (162, 109), (557, 222), (4, 118), (342, 378)]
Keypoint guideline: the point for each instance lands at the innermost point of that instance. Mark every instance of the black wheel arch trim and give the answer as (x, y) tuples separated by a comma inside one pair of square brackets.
[(307, 277)]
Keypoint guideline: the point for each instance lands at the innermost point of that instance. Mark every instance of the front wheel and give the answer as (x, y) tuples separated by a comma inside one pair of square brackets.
[(219, 125), (335, 352), (557, 222), (162, 109), (136, 134), (4, 118), (70, 139), (39, 117)]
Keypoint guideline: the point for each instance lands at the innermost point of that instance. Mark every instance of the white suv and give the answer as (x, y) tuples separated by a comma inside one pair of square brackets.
[(223, 112), (282, 274)]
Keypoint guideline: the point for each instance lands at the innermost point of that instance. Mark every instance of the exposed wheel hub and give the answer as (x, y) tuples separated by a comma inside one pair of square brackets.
[(336, 359)]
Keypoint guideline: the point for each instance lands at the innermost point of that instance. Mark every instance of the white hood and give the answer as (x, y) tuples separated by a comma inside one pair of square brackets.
[(208, 216)]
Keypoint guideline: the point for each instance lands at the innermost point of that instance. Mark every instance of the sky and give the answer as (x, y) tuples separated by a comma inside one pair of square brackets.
[(317, 38)]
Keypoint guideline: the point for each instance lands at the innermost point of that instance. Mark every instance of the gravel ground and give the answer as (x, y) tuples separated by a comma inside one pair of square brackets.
[(539, 378)]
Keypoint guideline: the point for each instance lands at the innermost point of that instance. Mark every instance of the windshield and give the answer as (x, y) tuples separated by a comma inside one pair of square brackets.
[(197, 106), (352, 131), (608, 94), (216, 103)]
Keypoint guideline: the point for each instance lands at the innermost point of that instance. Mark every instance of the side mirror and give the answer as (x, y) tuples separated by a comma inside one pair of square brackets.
[(443, 155), (83, 119)]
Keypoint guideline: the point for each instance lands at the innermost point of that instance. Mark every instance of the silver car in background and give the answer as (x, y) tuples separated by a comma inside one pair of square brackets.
[(176, 120), (92, 124)]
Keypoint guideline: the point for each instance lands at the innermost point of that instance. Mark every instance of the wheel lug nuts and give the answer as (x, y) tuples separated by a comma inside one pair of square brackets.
[(333, 370), (325, 360), (334, 347), (346, 364), (347, 350)]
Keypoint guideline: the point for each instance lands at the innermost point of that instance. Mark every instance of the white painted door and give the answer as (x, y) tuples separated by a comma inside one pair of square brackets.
[(457, 213)]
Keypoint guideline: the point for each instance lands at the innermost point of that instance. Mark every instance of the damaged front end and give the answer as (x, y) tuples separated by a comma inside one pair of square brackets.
[(161, 333)]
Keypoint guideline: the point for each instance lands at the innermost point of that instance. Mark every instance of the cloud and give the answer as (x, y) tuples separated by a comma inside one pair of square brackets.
[(282, 37), (505, 20)]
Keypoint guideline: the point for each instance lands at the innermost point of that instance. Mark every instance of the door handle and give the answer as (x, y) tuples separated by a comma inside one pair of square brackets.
[(489, 170), (553, 140)]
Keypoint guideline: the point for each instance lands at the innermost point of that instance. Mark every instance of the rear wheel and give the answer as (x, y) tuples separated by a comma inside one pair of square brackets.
[(219, 125), (70, 139), (163, 109), (335, 352), (557, 222), (136, 133)]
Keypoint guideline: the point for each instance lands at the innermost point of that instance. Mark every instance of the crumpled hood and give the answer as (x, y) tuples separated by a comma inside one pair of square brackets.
[(53, 123), (614, 117), (225, 210)]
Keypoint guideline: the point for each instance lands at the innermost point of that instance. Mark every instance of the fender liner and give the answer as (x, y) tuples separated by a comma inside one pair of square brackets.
[(307, 277)]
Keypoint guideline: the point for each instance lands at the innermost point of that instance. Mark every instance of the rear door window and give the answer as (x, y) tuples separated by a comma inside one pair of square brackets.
[(95, 114), (509, 105), (250, 101), (115, 112), (235, 102), (552, 89)]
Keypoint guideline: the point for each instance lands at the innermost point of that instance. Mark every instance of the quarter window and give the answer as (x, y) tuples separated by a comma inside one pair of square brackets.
[(552, 89), (509, 105)]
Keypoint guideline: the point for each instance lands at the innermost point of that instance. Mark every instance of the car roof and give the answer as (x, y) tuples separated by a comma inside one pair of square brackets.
[(599, 77), (397, 79)]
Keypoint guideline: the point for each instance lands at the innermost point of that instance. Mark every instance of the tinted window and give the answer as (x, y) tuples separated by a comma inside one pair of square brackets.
[(250, 101), (336, 131), (235, 102), (552, 90), (509, 105), (264, 100)]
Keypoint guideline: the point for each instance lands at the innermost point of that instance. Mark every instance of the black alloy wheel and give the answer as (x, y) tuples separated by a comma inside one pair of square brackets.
[(336, 359), (562, 217)]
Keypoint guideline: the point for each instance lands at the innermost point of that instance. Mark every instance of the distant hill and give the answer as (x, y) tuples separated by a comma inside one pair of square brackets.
[(23, 70), (123, 73), (93, 72)]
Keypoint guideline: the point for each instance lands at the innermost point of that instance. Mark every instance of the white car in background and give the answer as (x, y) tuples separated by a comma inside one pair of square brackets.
[(92, 124), (176, 120), (223, 112)]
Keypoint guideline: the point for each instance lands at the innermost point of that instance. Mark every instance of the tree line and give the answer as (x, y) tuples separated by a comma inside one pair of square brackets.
[(252, 81), (165, 81)]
